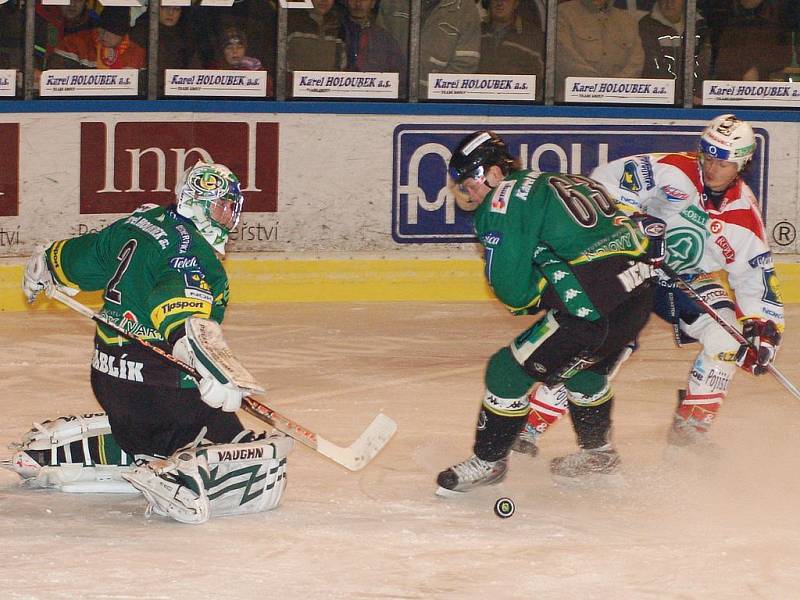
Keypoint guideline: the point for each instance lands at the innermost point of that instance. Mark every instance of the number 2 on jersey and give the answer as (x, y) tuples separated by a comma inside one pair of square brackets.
[(124, 257)]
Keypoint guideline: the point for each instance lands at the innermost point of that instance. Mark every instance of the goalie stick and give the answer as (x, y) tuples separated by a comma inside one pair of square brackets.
[(735, 333), (353, 457)]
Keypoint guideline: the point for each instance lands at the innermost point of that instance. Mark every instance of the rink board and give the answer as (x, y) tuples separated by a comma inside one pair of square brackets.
[(343, 201)]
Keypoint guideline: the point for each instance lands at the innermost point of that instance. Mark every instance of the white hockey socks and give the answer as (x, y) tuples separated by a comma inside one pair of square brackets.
[(197, 483)]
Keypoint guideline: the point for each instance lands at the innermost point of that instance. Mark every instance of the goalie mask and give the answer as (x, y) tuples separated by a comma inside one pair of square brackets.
[(210, 196), (730, 139)]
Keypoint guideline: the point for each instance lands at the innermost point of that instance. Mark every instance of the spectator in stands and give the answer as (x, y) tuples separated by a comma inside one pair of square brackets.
[(54, 22), (510, 44), (596, 39), (756, 43), (450, 35), (313, 40), (256, 19), (369, 47), (12, 34), (233, 52), (107, 46), (661, 32), (176, 49)]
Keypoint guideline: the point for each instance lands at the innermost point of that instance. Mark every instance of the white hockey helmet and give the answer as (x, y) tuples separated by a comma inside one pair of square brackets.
[(209, 194), (728, 138)]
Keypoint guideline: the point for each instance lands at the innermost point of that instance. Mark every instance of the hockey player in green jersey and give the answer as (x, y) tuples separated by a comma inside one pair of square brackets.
[(553, 242), (162, 281)]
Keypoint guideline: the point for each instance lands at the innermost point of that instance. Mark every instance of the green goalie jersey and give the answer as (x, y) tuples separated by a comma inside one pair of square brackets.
[(155, 270), (557, 241)]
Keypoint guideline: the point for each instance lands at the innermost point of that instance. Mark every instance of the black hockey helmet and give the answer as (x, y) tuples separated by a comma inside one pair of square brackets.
[(476, 152)]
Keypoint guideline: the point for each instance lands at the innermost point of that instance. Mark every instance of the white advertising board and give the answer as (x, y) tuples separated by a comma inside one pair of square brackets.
[(321, 183)]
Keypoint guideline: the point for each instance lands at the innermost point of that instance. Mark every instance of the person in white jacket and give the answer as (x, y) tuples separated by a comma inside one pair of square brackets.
[(713, 226)]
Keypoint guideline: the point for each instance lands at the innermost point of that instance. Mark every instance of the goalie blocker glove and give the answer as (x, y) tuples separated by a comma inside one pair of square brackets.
[(759, 353), (224, 381)]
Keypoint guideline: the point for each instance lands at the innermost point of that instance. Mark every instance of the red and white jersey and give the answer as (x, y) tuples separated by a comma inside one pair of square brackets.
[(701, 238)]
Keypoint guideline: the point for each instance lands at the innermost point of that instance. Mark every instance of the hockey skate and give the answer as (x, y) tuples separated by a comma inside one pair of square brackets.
[(525, 442), (469, 474), (603, 461), (684, 433)]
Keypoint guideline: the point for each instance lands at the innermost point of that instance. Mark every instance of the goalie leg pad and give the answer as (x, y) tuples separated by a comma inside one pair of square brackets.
[(75, 453), (197, 483)]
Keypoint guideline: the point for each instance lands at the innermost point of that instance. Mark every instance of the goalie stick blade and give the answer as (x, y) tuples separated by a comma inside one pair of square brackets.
[(357, 455)]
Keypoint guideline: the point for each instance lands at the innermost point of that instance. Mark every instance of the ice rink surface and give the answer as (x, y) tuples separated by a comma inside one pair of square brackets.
[(676, 526)]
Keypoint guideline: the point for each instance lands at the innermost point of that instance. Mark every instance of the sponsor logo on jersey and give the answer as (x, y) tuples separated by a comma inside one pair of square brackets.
[(673, 194), (772, 294), (129, 316), (716, 226), (492, 238), (684, 247), (186, 238), (630, 177), (501, 197), (184, 263), (198, 295), (647, 171), (727, 249), (179, 306), (762, 260), (695, 215), (122, 369)]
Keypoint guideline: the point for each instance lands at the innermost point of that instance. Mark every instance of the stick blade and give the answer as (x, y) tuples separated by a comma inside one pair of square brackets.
[(356, 456)]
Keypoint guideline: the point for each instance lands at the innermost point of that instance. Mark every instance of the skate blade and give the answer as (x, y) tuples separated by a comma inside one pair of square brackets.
[(445, 493), (591, 480)]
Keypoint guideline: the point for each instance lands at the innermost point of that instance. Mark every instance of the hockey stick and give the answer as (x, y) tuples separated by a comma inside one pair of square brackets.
[(735, 333), (353, 457)]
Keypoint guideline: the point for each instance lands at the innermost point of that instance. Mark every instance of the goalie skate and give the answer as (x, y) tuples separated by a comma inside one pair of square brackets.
[(470, 474)]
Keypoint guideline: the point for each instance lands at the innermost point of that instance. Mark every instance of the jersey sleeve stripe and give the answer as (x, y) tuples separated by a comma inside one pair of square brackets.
[(57, 264)]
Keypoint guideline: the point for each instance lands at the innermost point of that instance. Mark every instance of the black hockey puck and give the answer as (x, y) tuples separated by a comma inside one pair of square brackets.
[(504, 507)]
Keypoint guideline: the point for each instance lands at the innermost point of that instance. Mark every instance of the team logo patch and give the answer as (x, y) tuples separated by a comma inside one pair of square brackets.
[(196, 280), (630, 178)]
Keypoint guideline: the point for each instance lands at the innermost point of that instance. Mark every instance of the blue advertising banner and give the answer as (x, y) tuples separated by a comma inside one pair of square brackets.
[(424, 210)]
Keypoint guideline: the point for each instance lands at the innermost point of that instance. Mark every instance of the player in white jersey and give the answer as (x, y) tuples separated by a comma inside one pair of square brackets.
[(713, 227)]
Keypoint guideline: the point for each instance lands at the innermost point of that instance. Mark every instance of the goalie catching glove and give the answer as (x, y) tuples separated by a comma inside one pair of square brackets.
[(223, 382), (38, 277), (763, 340)]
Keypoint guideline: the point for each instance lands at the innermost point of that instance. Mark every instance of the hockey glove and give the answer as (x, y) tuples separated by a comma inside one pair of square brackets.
[(216, 391), (653, 229), (38, 277), (763, 341)]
